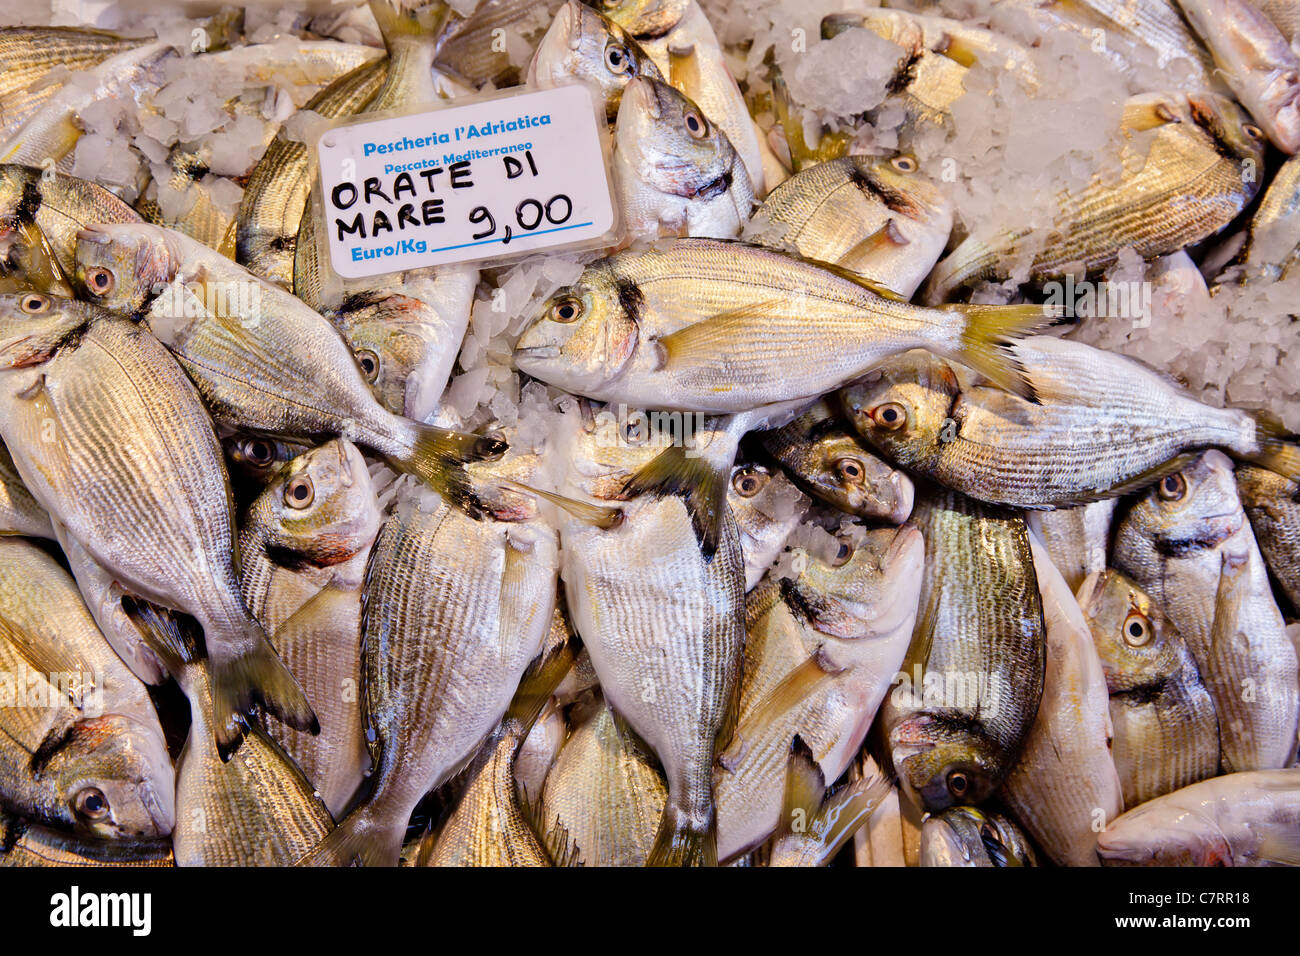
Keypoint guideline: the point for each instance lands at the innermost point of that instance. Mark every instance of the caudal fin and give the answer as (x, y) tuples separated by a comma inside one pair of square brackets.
[(987, 340), (438, 457), (699, 481), (396, 19), (1278, 449), (680, 842), (256, 677), (362, 838)]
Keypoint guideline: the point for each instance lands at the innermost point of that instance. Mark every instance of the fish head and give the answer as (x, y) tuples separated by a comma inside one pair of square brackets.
[(585, 334), (115, 779), (1191, 510), (1230, 129), (942, 761), (123, 267), (969, 836), (645, 18), (584, 45), (905, 407), (257, 458), (898, 183), (320, 507), (1133, 637), (1155, 834), (671, 144), (856, 481), (767, 507), (33, 326), (391, 343), (868, 588)]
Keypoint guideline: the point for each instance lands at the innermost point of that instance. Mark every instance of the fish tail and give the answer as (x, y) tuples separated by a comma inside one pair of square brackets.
[(987, 340), (682, 842), (256, 676), (1278, 448), (701, 482), (363, 837), (396, 19), (437, 456), (829, 819)]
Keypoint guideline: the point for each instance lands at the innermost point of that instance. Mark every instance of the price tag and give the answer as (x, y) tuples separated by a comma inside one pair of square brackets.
[(502, 176)]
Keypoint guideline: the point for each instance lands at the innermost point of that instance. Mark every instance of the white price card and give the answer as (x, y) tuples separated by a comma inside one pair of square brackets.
[(502, 176)]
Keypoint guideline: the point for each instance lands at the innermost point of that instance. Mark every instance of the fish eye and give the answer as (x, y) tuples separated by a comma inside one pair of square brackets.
[(850, 469), (34, 304), (636, 429), (259, 452), (1137, 629), (369, 363), (842, 554), (91, 804), (904, 164), (299, 493), (100, 281), (566, 310), (891, 416), (958, 784), (696, 125), (748, 482), (1253, 131), (617, 60), (1172, 487)]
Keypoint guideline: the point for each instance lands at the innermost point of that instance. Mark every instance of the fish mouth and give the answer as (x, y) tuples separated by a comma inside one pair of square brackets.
[(537, 352)]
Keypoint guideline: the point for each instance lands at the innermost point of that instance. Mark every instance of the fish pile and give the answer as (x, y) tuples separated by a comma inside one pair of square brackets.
[(913, 483)]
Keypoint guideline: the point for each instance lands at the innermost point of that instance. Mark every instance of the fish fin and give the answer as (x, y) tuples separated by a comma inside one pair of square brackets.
[(537, 685), (1280, 845), (987, 339), (599, 516), (1142, 116), (560, 845), (224, 29), (791, 690), (359, 838), (1278, 448), (846, 810), (256, 676), (805, 788), (1142, 480), (957, 50), (703, 337), (396, 20), (679, 842), (802, 155), (887, 236), (698, 481), (174, 638), (438, 457)]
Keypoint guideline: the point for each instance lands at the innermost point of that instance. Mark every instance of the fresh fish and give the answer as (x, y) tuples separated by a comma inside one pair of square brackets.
[(1188, 545), (1183, 160), (1078, 539), (472, 49), (493, 824), (1103, 425), (1273, 238), (263, 361), (59, 206), (304, 546), (1273, 505), (973, 676), (582, 44), (1242, 819), (1166, 731), (767, 508), (819, 451), (814, 824), (677, 173), (26, 844), (664, 627), (271, 208), (19, 511), (30, 58), (1256, 60), (876, 217), (255, 809), (604, 791), (679, 38), (721, 327), (1065, 788), (114, 442), (80, 744), (454, 611), (823, 649), (969, 836)]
